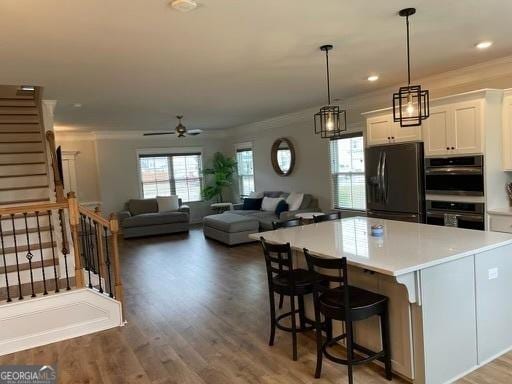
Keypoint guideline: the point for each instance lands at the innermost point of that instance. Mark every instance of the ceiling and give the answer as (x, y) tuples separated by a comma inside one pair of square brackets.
[(134, 64)]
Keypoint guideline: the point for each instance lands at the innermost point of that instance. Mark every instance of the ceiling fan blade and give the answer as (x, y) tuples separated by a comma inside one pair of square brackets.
[(194, 130), (158, 133), (193, 133)]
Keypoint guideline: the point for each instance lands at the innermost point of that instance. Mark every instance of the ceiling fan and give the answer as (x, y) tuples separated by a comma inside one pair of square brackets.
[(180, 130)]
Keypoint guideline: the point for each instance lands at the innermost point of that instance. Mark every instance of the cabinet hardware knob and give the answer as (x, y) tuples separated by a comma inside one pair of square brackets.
[(448, 148), (453, 147), (389, 138)]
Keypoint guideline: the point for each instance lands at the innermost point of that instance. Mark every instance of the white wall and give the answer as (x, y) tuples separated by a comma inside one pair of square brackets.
[(117, 171)]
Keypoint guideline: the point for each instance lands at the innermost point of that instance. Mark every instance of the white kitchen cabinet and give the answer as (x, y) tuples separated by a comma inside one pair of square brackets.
[(454, 129), (507, 132), (383, 130)]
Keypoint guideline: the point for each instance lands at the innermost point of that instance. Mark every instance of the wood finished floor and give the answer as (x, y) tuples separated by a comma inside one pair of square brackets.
[(197, 312)]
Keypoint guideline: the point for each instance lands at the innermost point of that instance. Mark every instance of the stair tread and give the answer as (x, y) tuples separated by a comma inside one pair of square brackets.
[(33, 247), (25, 163), (22, 175), (36, 264), (19, 152), (20, 142), (24, 188), (24, 201)]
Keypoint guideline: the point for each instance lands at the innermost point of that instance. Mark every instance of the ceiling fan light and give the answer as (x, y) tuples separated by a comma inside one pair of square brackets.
[(184, 5)]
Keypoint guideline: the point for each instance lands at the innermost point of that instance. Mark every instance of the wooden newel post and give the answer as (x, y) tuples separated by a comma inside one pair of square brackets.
[(74, 222), (118, 285)]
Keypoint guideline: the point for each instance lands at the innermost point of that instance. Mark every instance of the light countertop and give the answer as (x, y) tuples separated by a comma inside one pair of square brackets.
[(404, 247), (504, 211)]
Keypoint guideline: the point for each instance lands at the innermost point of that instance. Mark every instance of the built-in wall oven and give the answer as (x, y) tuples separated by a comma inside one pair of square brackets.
[(463, 176), (459, 214)]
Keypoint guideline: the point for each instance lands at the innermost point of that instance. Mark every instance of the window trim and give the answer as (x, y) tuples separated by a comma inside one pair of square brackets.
[(149, 152), (242, 147), (348, 135)]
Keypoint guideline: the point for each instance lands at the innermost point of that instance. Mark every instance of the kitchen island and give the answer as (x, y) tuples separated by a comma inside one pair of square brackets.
[(448, 290)]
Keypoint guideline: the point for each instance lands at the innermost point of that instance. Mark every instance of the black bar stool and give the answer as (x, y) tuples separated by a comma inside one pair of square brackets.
[(327, 217), (349, 304), (286, 224), (285, 280)]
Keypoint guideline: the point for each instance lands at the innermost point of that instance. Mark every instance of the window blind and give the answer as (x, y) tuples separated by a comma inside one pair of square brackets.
[(171, 174), (245, 171), (347, 173)]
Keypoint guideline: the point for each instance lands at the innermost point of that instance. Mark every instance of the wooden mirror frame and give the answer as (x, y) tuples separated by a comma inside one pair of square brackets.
[(273, 156)]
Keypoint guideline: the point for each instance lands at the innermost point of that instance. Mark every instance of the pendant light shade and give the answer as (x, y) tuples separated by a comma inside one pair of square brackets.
[(331, 120), (410, 103)]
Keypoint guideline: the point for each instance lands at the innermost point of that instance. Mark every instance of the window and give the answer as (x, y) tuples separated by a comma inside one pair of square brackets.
[(245, 171), (347, 169), (173, 174)]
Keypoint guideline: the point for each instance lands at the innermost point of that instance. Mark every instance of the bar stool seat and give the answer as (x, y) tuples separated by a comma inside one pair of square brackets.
[(303, 282), (363, 303)]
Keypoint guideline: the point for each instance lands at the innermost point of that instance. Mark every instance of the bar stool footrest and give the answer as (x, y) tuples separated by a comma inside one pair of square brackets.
[(310, 323), (371, 355)]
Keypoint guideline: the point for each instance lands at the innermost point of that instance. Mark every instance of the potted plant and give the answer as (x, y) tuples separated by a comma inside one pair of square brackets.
[(221, 173)]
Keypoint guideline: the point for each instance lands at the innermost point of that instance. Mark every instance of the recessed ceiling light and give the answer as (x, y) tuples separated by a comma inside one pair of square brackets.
[(483, 44), (184, 5), (373, 77), (77, 105)]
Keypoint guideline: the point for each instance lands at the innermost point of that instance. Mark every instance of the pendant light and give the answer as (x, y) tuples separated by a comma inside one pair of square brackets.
[(330, 121), (411, 103)]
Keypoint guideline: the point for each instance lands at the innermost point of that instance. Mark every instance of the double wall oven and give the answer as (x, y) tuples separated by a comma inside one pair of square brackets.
[(455, 192)]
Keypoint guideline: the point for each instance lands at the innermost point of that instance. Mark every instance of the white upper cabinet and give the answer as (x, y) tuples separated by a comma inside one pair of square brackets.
[(507, 132), (383, 130), (454, 129)]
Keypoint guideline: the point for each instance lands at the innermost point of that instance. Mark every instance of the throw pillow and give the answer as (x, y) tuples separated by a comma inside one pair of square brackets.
[(252, 204), (294, 200), (269, 204), (256, 195), (282, 206), (167, 203)]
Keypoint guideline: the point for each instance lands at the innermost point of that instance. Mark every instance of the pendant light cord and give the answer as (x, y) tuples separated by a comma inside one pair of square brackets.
[(408, 53), (328, 79)]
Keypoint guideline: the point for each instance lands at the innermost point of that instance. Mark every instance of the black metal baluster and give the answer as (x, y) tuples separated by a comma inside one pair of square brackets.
[(5, 262), (87, 250), (107, 263), (98, 250), (53, 252), (83, 242), (20, 296), (92, 236), (29, 255), (45, 292), (65, 246)]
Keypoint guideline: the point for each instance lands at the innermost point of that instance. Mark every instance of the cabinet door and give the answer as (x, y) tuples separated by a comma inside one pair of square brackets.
[(404, 134), (507, 133), (467, 127), (436, 132), (378, 130)]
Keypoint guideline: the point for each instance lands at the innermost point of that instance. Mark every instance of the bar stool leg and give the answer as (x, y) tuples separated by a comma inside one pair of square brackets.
[(272, 319), (350, 350), (319, 342), (302, 313), (281, 300), (328, 328), (294, 327), (386, 343)]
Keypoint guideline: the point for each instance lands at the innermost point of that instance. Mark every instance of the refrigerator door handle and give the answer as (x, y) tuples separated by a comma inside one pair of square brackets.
[(385, 186), (379, 179)]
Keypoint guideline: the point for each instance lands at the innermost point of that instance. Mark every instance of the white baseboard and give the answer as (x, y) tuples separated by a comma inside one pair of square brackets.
[(34, 322)]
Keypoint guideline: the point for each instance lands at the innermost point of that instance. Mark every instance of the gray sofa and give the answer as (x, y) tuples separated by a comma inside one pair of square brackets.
[(233, 227), (141, 218)]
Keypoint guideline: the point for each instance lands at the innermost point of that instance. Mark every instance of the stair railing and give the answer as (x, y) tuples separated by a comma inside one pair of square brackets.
[(57, 179)]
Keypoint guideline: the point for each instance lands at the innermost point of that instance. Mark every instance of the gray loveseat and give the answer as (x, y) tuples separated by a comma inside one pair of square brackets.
[(233, 227), (141, 218)]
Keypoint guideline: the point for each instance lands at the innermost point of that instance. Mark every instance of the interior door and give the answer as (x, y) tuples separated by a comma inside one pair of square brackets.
[(401, 175)]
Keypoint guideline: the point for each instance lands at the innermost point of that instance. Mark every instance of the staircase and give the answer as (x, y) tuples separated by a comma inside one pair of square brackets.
[(23, 163), (56, 257)]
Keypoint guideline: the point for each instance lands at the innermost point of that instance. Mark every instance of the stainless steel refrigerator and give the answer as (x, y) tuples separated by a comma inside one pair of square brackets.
[(395, 182)]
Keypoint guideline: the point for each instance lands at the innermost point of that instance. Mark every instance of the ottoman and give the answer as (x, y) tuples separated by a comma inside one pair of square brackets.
[(230, 229)]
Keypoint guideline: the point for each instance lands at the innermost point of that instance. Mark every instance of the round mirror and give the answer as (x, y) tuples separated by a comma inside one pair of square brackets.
[(283, 156)]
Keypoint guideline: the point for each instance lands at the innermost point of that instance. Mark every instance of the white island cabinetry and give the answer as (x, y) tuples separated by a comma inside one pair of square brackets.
[(447, 288)]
